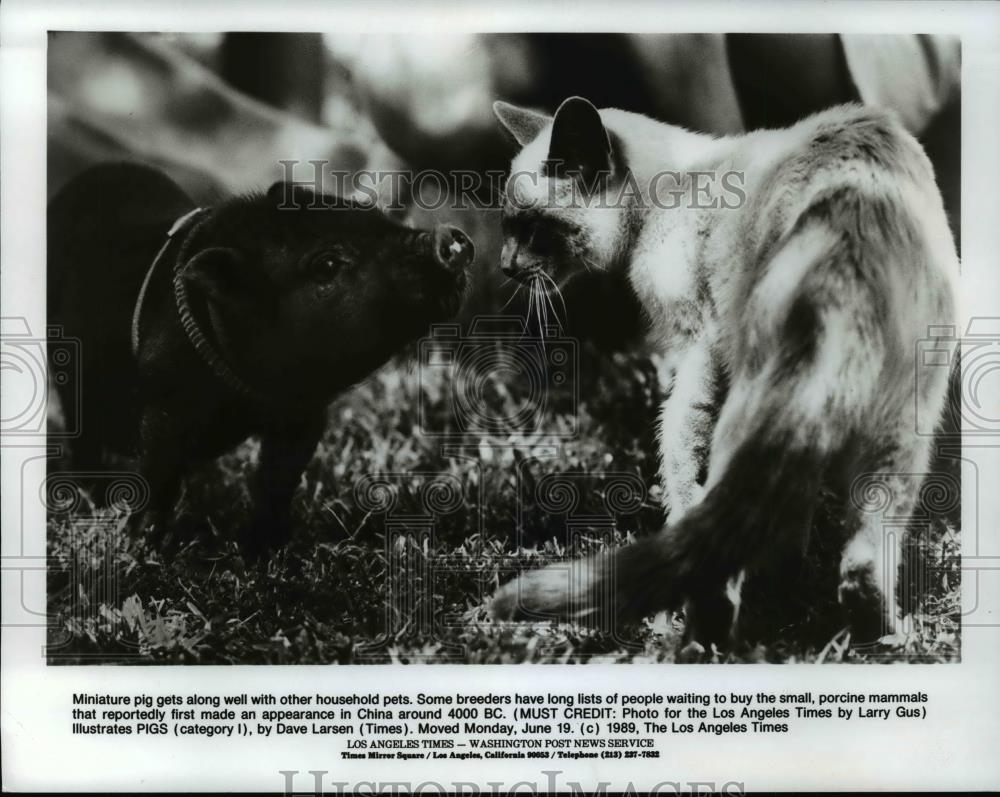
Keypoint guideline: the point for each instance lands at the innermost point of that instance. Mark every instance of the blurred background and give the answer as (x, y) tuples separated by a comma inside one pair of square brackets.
[(218, 111)]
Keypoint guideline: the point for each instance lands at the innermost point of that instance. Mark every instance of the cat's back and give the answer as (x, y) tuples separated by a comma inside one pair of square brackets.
[(855, 150)]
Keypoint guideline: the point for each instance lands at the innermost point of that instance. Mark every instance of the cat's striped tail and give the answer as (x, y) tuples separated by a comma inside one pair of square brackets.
[(764, 499)]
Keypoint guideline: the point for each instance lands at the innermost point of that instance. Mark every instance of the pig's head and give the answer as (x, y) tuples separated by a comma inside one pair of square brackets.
[(315, 291)]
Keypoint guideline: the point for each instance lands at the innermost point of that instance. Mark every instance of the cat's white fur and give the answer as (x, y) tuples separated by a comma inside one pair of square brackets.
[(842, 235)]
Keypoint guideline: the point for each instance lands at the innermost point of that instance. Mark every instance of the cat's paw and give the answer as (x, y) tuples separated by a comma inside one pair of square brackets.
[(865, 605)]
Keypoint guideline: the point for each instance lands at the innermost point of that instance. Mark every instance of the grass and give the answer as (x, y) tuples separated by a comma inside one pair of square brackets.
[(399, 539)]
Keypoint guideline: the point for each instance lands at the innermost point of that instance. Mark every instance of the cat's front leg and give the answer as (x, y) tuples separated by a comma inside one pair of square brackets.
[(687, 420)]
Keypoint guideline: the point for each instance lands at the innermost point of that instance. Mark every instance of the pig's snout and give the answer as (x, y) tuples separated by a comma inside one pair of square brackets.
[(453, 249)]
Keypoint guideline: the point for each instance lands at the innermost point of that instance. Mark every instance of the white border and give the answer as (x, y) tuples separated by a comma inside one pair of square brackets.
[(956, 748)]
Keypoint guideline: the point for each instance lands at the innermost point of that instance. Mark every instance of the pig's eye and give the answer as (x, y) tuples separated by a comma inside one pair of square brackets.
[(324, 266)]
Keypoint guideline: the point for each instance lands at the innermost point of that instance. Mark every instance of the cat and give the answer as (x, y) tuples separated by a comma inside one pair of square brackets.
[(792, 271)]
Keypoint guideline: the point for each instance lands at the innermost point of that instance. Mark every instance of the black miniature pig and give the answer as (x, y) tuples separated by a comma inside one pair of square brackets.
[(199, 329)]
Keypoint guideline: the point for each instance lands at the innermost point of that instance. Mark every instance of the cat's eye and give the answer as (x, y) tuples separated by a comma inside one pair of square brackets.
[(325, 266), (544, 241)]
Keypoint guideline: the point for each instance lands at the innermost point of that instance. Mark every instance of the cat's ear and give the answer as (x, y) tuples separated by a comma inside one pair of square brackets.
[(580, 144), (522, 125)]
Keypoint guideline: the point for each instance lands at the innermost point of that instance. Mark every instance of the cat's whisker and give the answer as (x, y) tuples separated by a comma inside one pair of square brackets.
[(513, 296), (534, 298), (559, 294), (548, 302), (544, 305), (536, 288), (543, 321), (529, 310), (562, 299)]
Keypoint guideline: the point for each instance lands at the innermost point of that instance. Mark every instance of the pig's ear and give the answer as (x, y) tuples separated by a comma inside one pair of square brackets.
[(521, 125), (221, 276)]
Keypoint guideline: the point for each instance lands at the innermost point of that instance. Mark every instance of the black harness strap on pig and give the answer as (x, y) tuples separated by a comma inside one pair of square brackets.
[(212, 356), (137, 312)]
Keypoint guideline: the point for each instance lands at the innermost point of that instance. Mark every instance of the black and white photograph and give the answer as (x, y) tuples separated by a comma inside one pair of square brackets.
[(429, 348), (405, 336)]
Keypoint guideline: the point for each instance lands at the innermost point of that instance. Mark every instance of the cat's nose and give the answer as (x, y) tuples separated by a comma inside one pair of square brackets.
[(508, 262)]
